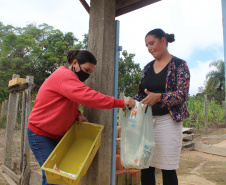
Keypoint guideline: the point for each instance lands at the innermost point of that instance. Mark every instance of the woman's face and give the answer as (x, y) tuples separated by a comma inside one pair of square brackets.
[(155, 46), (87, 67)]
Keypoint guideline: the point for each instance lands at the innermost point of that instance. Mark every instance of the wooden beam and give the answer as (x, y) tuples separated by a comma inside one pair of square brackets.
[(18, 88), (8, 179), (187, 130), (134, 6), (11, 174), (188, 136), (187, 148), (123, 3), (187, 143), (86, 6)]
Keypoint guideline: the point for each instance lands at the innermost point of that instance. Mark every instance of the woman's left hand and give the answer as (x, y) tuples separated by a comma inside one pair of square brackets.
[(152, 98), (81, 119)]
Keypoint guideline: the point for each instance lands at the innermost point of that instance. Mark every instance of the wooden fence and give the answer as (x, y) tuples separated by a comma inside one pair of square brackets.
[(17, 85)]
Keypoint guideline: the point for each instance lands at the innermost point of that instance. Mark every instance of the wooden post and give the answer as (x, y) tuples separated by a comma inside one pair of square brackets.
[(2, 113), (22, 129), (223, 5), (3, 108), (26, 148), (102, 45), (11, 122), (6, 107), (5, 111)]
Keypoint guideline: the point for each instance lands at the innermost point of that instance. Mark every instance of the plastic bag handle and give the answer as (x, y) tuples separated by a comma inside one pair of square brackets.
[(146, 109)]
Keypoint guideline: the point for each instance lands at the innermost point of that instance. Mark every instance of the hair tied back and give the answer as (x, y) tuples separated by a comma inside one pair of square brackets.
[(76, 52), (170, 37)]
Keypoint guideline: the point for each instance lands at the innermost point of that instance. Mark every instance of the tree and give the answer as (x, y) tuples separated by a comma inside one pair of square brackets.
[(34, 50), (215, 85), (4, 95), (85, 41), (129, 74)]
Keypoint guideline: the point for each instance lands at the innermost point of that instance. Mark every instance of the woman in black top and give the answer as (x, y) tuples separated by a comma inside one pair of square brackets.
[(164, 86)]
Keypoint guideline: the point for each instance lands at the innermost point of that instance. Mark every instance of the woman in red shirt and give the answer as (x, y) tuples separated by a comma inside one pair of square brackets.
[(56, 105)]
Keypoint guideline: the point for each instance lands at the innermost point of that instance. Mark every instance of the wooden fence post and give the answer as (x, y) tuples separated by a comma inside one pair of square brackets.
[(11, 122), (3, 108), (2, 113), (22, 129), (6, 107), (26, 148)]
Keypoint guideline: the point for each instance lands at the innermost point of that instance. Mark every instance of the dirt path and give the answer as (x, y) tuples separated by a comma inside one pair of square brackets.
[(196, 168), (201, 168)]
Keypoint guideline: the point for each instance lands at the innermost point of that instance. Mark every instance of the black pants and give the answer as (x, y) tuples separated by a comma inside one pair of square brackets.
[(148, 177)]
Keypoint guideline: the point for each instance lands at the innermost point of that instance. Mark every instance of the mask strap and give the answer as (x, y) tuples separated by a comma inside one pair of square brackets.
[(73, 68), (79, 66)]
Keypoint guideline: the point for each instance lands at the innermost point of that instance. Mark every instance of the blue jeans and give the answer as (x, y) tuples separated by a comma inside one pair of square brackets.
[(41, 147)]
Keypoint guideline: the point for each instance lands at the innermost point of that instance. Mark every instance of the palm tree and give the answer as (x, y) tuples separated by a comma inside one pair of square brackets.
[(215, 84)]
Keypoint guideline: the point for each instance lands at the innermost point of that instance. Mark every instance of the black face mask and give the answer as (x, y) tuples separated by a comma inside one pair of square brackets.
[(81, 74)]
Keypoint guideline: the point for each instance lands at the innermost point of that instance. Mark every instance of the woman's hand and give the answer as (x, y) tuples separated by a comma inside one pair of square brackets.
[(81, 119), (152, 98), (129, 102)]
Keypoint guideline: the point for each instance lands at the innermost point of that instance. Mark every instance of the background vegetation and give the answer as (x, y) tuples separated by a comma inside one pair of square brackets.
[(38, 50)]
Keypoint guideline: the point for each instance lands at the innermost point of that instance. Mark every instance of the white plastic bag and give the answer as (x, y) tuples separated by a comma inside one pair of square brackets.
[(137, 137)]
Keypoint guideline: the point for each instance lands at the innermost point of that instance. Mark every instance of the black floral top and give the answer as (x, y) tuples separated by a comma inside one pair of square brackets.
[(177, 87)]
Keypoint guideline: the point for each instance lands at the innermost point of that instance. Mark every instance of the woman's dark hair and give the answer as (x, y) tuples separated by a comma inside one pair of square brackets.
[(82, 56), (159, 33)]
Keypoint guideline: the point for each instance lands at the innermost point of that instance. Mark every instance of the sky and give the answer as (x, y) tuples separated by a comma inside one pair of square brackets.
[(196, 24)]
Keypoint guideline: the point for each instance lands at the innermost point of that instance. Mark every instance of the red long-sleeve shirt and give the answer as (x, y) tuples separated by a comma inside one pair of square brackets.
[(56, 105)]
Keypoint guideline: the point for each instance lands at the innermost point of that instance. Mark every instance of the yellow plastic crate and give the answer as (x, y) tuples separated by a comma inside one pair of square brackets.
[(73, 154)]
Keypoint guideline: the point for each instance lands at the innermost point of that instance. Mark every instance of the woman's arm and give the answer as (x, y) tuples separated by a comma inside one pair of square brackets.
[(179, 96), (75, 90)]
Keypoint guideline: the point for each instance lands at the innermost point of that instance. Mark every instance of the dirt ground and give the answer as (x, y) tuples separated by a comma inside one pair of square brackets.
[(196, 168), (16, 155)]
